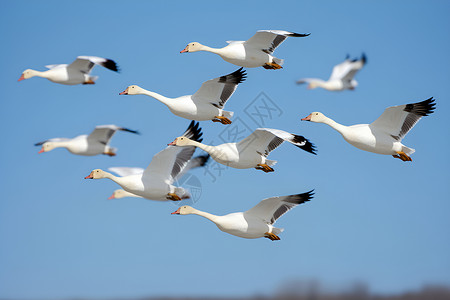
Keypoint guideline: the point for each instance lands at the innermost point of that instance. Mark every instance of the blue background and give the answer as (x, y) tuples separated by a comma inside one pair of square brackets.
[(373, 219)]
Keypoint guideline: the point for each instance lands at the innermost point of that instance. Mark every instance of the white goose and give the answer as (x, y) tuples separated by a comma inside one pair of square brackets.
[(75, 73), (384, 135), (256, 222), (196, 162), (255, 52), (156, 181), (206, 104), (93, 144), (252, 151), (341, 78)]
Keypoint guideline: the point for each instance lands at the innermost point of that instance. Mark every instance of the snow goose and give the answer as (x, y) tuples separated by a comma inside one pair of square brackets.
[(196, 162), (252, 151), (93, 144), (384, 135), (156, 181), (75, 73), (256, 222), (341, 78), (255, 52), (206, 104)]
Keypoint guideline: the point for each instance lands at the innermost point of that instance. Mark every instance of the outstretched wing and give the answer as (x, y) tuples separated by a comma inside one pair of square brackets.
[(270, 209), (86, 63), (104, 133), (399, 120), (264, 140), (346, 70), (218, 90), (196, 162), (269, 40), (171, 161)]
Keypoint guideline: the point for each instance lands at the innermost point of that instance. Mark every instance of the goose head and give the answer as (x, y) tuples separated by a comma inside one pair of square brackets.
[(117, 194), (181, 141), (96, 174), (317, 117), (48, 146), (28, 73), (184, 210), (192, 47), (132, 90)]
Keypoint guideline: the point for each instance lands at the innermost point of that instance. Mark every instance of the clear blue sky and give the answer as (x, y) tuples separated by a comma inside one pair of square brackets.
[(374, 218)]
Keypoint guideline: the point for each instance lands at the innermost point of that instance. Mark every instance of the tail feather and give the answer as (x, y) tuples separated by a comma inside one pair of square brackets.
[(227, 114), (408, 151), (277, 231), (270, 163), (278, 61)]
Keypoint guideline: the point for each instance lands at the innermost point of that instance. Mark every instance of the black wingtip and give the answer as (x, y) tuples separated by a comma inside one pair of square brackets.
[(364, 58), (423, 108), (203, 159), (129, 130), (293, 34), (40, 143), (236, 77), (194, 132), (301, 198), (304, 144), (111, 65)]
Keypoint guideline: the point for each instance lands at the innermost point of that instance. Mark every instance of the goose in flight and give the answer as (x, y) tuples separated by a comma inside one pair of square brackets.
[(97, 142), (341, 78), (385, 134), (75, 73), (198, 161), (256, 222), (207, 103), (255, 52), (252, 151), (156, 183)]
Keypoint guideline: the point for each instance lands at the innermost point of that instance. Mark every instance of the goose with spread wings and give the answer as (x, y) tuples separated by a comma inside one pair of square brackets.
[(385, 134), (341, 78), (255, 52), (256, 222), (156, 181), (252, 151), (97, 142), (207, 103), (78, 72), (196, 162)]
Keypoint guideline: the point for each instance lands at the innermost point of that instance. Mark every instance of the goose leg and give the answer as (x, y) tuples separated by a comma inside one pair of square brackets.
[(173, 196), (223, 120), (402, 155), (89, 82), (272, 66), (264, 167), (271, 236)]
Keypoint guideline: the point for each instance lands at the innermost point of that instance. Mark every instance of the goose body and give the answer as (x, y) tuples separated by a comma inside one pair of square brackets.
[(97, 142), (206, 104), (384, 135), (255, 52), (196, 162), (156, 182), (252, 151), (341, 78), (256, 222), (78, 72)]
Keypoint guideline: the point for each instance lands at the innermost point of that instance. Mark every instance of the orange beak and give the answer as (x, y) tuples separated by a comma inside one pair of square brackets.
[(110, 197), (174, 143), (21, 78), (89, 176), (308, 118), (124, 92), (184, 50), (177, 212), (42, 150)]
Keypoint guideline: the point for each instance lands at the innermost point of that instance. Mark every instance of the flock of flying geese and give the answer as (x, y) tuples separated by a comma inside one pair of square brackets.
[(383, 136)]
